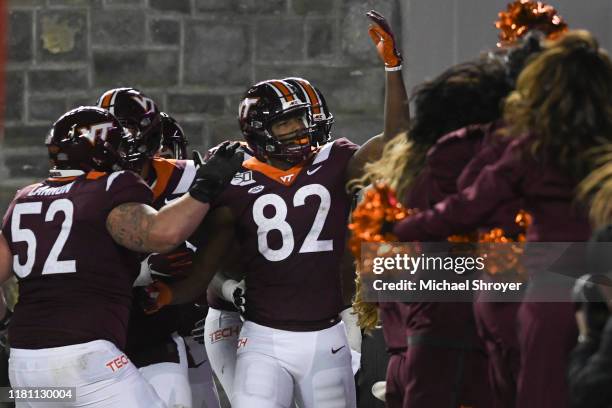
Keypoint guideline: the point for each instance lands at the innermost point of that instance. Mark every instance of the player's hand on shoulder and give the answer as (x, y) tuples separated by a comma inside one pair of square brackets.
[(215, 173)]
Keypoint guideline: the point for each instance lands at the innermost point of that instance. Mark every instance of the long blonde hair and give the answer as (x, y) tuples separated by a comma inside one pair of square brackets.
[(462, 95), (563, 98)]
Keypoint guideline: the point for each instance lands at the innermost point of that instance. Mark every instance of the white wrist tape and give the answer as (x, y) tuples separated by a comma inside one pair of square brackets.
[(227, 290), (391, 69)]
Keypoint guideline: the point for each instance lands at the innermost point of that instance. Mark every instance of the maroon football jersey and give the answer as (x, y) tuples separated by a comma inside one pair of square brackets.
[(172, 179), (292, 226), (74, 280), (148, 334)]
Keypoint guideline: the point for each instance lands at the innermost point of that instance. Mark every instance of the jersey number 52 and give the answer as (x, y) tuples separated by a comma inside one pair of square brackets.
[(52, 264)]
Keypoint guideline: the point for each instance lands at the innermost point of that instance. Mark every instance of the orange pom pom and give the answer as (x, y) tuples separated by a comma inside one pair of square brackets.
[(379, 206), (522, 16)]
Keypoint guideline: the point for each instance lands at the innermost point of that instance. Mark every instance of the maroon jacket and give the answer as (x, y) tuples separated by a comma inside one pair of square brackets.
[(548, 196), (445, 164)]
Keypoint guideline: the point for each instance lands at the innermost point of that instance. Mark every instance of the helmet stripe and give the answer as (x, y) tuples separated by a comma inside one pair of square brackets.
[(106, 99), (315, 101), (112, 102), (284, 91)]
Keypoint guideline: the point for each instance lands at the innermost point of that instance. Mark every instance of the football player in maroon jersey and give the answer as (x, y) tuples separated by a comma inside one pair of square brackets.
[(291, 209), (154, 343), (69, 239), (223, 322), (174, 144)]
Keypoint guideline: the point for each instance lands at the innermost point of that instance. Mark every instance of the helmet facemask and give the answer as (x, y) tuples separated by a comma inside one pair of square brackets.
[(293, 146), (267, 103), (174, 142), (141, 117)]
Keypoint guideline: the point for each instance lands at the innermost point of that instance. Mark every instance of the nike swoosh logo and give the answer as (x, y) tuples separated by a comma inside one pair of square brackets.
[(334, 351), (313, 171)]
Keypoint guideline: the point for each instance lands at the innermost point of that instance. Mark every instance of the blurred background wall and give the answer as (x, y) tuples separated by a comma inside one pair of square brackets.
[(196, 58)]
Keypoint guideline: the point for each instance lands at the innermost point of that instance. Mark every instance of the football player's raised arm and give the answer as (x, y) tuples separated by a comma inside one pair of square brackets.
[(397, 112), (6, 260), (215, 248)]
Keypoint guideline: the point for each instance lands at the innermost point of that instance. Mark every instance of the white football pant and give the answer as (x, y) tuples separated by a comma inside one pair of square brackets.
[(275, 366), (221, 331), (102, 374), (171, 380), (203, 391)]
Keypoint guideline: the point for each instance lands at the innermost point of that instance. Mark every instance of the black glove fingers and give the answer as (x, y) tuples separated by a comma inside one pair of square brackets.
[(233, 147)]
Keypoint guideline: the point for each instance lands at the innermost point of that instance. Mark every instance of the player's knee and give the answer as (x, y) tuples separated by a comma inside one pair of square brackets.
[(332, 390), (258, 380)]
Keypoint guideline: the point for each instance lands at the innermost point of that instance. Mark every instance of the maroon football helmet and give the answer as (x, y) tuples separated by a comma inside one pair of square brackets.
[(262, 105), (174, 142), (321, 119), (140, 115), (88, 138)]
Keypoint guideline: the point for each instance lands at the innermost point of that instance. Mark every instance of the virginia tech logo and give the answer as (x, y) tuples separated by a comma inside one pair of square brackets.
[(287, 178)]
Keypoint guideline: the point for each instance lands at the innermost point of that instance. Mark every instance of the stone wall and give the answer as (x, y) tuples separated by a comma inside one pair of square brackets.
[(194, 57)]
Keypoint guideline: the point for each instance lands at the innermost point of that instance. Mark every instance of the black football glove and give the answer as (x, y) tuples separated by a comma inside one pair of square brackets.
[(214, 174)]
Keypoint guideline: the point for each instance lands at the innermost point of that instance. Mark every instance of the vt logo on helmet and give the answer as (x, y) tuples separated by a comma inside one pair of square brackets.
[(140, 115), (87, 138), (274, 122)]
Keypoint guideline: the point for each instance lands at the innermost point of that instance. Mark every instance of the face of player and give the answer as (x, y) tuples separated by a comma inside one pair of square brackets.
[(290, 130)]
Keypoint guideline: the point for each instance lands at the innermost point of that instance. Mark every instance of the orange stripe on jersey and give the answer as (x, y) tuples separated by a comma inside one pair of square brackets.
[(94, 175), (163, 171), (284, 90), (106, 99), (312, 95), (284, 177)]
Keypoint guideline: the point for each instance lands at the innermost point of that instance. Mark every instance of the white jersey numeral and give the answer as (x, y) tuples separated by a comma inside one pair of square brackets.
[(278, 222), (52, 264)]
